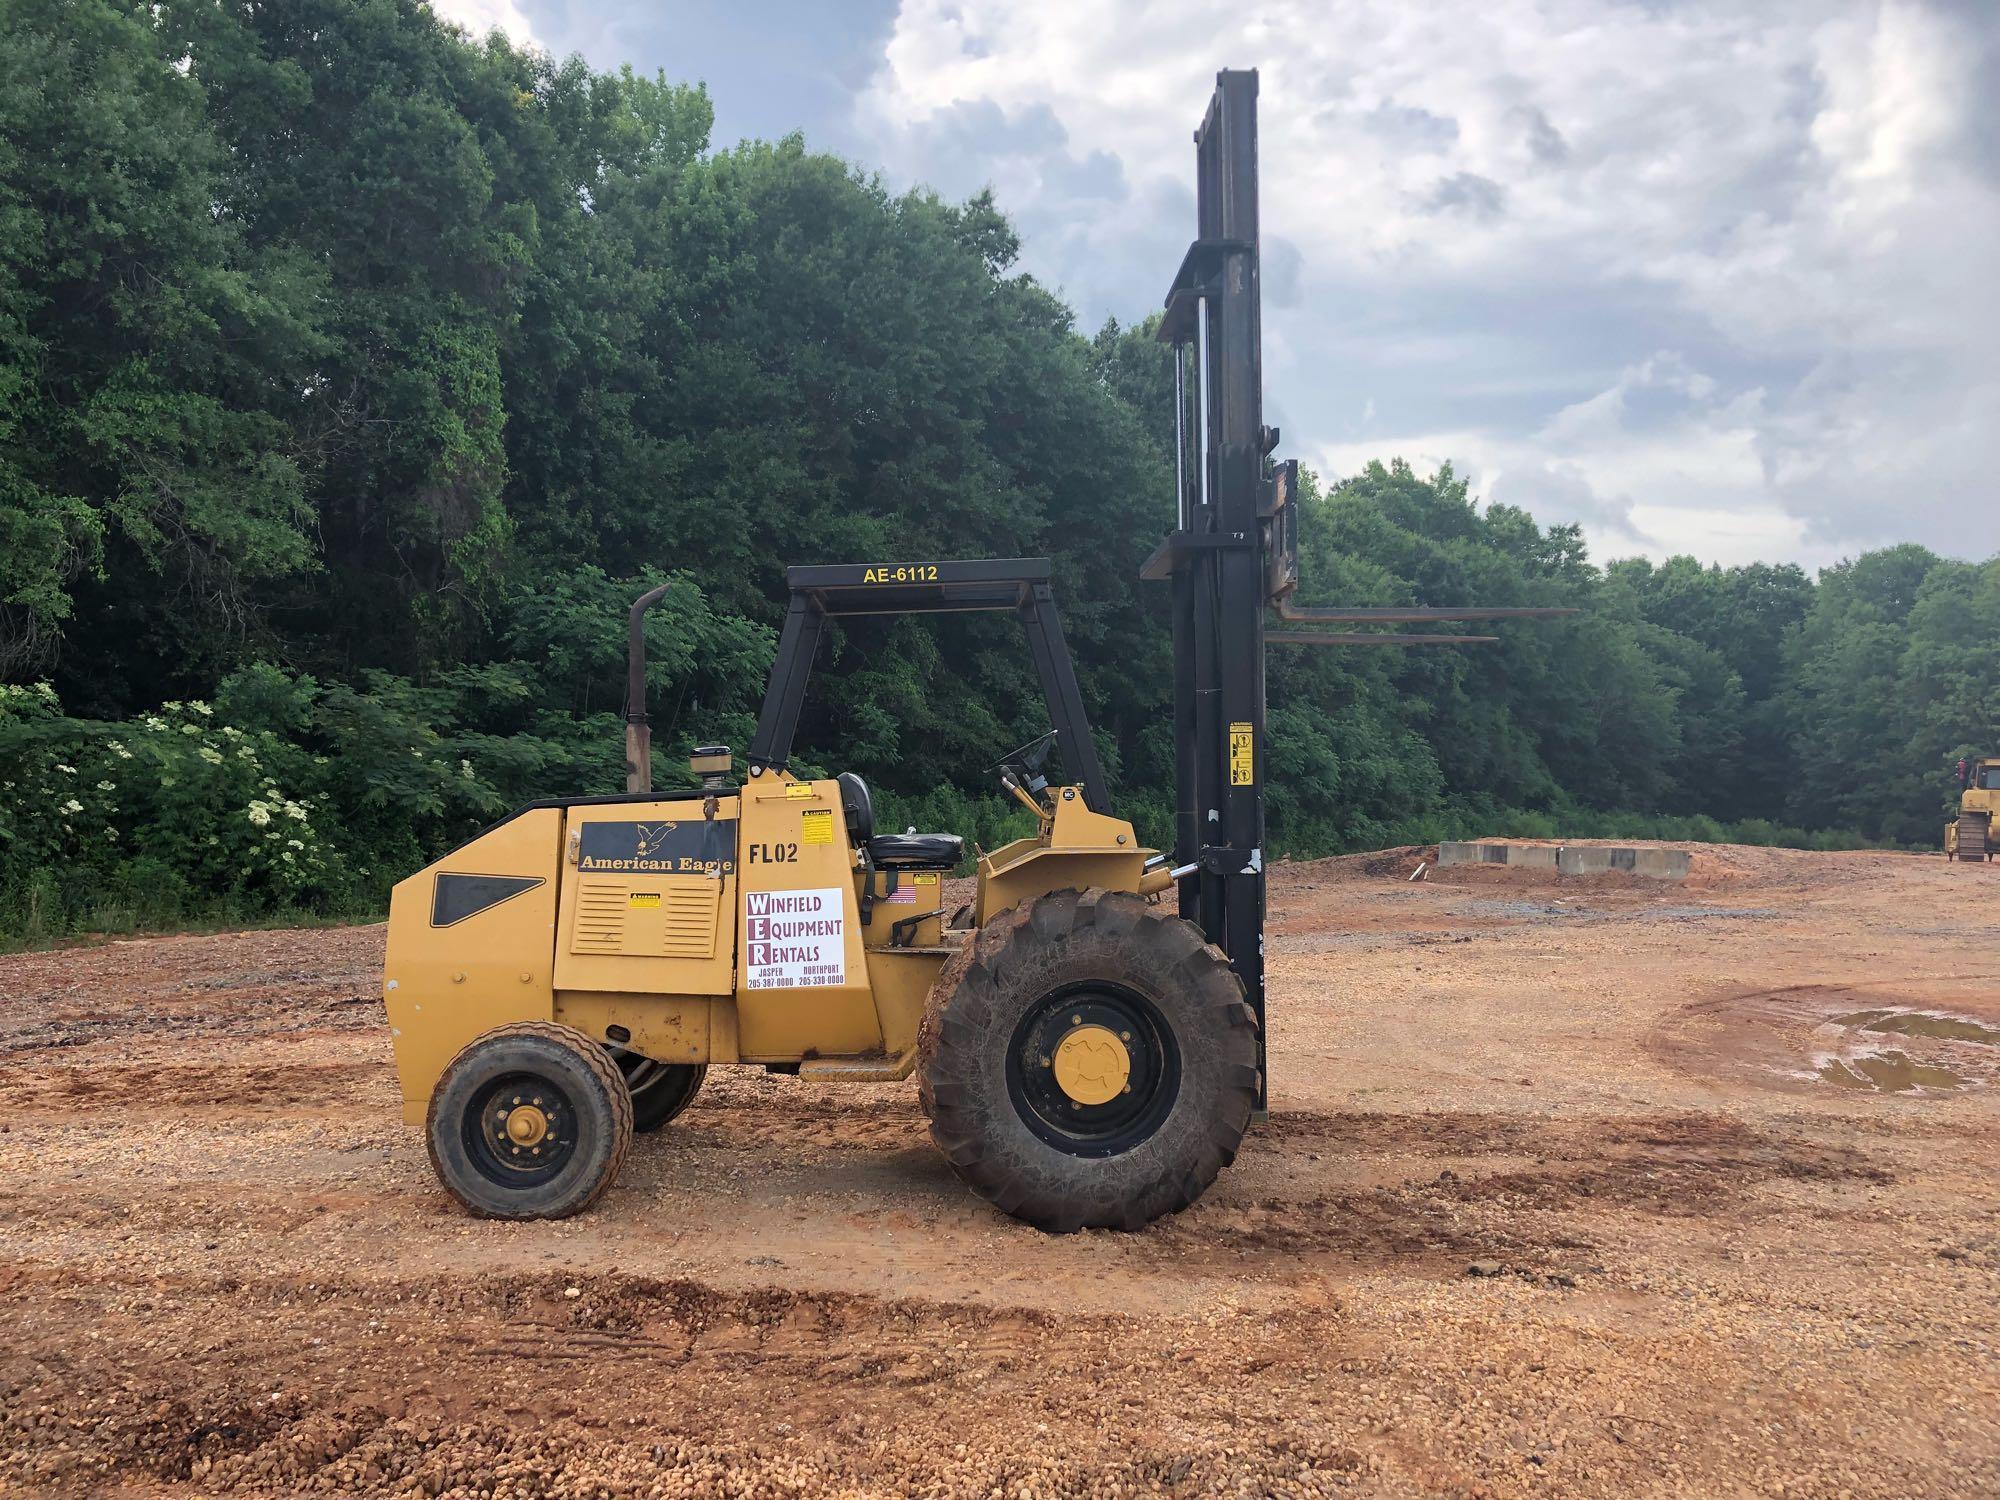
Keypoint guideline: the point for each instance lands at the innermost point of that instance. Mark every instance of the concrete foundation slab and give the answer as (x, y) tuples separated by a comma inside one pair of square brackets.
[(1660, 864), (1567, 859)]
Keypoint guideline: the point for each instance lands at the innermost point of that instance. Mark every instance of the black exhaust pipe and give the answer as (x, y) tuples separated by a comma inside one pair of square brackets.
[(638, 724)]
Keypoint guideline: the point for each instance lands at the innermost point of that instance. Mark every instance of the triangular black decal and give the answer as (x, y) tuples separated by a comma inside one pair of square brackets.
[(456, 897)]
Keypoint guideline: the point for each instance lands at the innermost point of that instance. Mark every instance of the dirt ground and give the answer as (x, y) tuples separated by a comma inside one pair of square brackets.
[(1570, 1187)]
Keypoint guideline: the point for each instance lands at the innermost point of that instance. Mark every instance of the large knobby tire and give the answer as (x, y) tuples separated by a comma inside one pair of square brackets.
[(660, 1091), (529, 1121), (1074, 969)]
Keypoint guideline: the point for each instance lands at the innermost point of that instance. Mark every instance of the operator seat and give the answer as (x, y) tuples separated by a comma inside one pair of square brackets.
[(858, 806), (894, 851), (916, 851)]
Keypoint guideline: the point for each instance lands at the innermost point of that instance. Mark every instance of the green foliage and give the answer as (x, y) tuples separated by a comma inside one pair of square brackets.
[(355, 375), (169, 817), (1892, 677), (147, 342)]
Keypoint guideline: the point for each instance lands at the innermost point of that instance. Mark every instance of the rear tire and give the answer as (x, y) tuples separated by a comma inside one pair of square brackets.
[(529, 1121), (1090, 975)]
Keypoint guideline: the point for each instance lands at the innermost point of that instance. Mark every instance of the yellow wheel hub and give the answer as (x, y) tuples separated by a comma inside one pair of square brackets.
[(1092, 1065), (526, 1125)]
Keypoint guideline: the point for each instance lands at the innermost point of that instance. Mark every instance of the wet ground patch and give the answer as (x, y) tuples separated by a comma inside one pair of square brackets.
[(1849, 1038)]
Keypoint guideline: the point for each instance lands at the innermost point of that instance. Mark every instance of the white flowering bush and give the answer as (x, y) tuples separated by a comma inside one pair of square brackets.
[(153, 817), (281, 797)]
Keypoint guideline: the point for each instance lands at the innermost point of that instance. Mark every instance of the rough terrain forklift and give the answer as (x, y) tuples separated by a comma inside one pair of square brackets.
[(1970, 834), (1087, 1052)]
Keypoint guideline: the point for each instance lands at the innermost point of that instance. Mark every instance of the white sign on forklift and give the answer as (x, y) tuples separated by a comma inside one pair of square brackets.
[(794, 940)]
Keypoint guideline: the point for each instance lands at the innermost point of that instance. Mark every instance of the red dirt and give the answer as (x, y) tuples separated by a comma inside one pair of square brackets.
[(225, 1267)]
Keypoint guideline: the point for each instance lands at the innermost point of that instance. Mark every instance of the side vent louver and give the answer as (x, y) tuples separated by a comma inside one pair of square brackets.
[(600, 918), (647, 917)]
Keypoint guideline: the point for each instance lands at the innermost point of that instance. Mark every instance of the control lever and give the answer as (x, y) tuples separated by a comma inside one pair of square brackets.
[(1026, 799)]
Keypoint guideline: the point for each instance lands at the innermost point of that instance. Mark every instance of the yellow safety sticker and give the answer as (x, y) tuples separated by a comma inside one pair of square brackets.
[(799, 791), (1242, 755), (643, 898), (816, 826), (923, 879)]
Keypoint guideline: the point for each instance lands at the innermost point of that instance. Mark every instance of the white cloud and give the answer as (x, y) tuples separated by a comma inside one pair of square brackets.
[(482, 16), (1712, 277)]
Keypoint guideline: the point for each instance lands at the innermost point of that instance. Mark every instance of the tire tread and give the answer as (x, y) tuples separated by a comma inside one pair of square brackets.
[(594, 1059), (973, 987)]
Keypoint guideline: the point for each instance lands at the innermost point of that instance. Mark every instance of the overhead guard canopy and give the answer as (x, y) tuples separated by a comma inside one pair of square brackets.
[(825, 591), (919, 588)]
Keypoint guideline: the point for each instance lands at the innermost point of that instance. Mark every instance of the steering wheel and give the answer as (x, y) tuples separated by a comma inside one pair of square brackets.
[(1026, 762)]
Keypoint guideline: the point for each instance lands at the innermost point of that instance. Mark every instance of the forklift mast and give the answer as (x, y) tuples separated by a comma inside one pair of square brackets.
[(1234, 552), (1234, 547)]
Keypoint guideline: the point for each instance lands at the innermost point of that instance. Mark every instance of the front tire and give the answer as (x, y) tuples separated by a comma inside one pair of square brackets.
[(1088, 1061), (529, 1121)]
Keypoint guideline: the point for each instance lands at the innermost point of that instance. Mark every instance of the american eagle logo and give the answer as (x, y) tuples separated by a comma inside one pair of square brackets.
[(652, 838)]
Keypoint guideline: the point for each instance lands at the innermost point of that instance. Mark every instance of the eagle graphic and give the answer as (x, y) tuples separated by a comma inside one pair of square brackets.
[(652, 838)]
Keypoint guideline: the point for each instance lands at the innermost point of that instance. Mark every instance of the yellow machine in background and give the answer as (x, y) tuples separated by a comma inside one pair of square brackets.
[(567, 977), (1970, 835)]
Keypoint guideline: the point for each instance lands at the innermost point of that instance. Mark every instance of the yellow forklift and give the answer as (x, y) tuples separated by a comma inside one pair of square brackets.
[(1087, 1051), (1084, 1055)]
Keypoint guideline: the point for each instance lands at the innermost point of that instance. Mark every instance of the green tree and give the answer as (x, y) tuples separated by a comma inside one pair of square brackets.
[(152, 352)]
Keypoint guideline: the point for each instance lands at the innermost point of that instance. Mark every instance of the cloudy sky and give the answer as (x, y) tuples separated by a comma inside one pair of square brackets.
[(1705, 277)]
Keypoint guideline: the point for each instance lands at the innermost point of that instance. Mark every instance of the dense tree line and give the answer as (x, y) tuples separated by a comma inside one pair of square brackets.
[(354, 375)]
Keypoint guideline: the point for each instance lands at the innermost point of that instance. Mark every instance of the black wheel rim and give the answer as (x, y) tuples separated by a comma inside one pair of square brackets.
[(521, 1130), (1083, 1127)]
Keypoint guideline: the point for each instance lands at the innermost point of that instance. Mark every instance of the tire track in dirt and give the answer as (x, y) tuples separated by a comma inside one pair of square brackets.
[(217, 1090), (538, 1380)]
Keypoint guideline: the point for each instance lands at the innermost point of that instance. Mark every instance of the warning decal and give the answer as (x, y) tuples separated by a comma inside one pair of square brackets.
[(816, 826), (794, 940), (1242, 755)]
